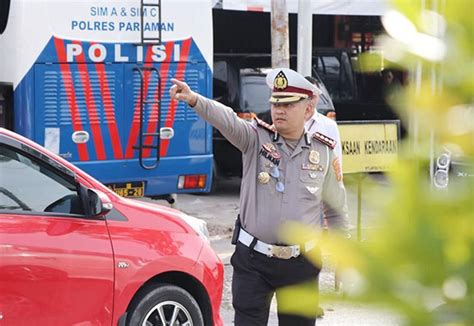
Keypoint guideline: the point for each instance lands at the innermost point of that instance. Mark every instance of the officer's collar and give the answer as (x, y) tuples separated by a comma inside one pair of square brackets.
[(276, 137), (279, 140), (307, 139)]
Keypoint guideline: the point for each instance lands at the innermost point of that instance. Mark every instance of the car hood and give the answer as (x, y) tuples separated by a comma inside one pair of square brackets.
[(192, 223)]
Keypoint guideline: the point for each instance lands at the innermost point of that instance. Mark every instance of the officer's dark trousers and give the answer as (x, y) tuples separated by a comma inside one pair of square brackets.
[(257, 277)]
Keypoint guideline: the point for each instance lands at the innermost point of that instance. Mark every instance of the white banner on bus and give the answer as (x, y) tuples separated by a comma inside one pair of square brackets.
[(319, 7), (32, 24)]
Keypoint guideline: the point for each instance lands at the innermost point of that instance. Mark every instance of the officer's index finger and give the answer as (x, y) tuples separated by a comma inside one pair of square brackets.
[(178, 83)]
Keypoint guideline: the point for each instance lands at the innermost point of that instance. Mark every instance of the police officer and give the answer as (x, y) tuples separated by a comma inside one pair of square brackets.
[(324, 125), (286, 175)]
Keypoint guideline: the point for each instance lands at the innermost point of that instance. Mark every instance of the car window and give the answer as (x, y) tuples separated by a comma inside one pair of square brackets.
[(328, 69), (347, 80), (27, 186), (324, 103), (255, 94), (337, 77)]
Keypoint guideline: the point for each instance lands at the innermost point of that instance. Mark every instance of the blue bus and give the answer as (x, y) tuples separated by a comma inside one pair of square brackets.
[(89, 80)]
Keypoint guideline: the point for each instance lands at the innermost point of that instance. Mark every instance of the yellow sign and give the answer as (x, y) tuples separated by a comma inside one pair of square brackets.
[(369, 146)]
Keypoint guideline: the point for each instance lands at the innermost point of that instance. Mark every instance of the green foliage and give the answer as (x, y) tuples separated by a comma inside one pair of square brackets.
[(422, 255)]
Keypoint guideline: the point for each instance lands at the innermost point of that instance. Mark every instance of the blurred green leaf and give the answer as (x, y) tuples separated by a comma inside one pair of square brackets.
[(421, 252)]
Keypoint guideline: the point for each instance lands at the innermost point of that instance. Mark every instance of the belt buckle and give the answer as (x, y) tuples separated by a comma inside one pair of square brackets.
[(281, 252)]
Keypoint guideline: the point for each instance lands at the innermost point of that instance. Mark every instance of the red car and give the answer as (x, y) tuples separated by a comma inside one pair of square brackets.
[(72, 252)]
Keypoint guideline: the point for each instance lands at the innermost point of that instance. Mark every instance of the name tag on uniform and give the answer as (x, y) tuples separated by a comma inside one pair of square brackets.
[(269, 151), (313, 167)]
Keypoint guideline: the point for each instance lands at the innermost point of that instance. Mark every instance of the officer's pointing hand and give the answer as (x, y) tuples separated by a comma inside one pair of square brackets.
[(180, 91)]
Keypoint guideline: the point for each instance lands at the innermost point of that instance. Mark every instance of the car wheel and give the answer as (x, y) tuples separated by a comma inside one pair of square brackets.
[(166, 305)]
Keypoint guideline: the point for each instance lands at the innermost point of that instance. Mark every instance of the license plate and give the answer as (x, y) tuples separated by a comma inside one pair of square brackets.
[(128, 189)]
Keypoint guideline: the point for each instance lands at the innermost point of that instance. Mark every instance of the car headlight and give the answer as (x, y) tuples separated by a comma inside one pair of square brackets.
[(441, 175), (198, 225), (441, 179), (443, 161)]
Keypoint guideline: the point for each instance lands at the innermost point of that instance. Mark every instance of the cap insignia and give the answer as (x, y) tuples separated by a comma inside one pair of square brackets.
[(280, 82)]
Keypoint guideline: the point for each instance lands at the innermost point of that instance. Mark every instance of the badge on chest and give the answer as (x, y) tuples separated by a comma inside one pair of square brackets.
[(313, 157), (269, 152), (313, 163)]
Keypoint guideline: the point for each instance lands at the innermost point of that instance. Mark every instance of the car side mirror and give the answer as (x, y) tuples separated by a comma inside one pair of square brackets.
[(98, 203)]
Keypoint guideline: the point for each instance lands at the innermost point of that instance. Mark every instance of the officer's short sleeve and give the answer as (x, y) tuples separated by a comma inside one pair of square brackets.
[(337, 137), (334, 195), (239, 132)]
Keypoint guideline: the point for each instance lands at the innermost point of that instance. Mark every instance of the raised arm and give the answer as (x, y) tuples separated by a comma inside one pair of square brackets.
[(238, 131)]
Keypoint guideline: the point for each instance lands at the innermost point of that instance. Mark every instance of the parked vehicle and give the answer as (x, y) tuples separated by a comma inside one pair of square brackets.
[(246, 91), (451, 170), (239, 82), (92, 85), (356, 93), (73, 252)]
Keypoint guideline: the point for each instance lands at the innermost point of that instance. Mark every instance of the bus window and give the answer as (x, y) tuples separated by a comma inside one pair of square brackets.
[(6, 108), (4, 11)]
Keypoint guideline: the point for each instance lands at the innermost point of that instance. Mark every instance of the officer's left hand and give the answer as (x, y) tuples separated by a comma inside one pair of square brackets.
[(180, 91)]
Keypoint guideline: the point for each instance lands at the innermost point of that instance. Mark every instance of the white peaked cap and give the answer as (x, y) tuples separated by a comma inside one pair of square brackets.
[(289, 86)]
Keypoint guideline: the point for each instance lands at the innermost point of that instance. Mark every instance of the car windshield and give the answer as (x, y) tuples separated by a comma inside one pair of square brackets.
[(254, 94), (324, 103), (335, 73)]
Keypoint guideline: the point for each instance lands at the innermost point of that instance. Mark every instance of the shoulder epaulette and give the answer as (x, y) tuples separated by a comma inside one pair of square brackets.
[(265, 125), (331, 143)]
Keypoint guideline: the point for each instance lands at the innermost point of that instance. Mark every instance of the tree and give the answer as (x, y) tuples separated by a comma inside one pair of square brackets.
[(423, 254)]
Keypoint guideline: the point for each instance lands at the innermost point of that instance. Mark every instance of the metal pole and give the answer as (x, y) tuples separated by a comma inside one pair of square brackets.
[(414, 121), (359, 206), (279, 32), (436, 88), (305, 37)]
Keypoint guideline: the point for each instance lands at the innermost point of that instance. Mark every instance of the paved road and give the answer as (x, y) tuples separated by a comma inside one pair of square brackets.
[(220, 209)]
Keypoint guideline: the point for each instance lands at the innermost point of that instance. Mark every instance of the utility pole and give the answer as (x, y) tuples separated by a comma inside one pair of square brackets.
[(279, 32), (305, 37)]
